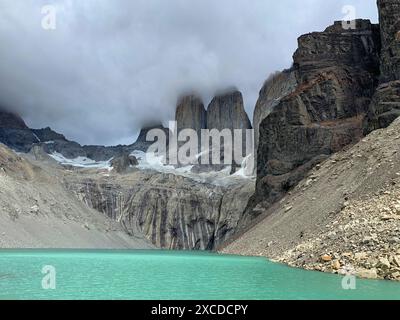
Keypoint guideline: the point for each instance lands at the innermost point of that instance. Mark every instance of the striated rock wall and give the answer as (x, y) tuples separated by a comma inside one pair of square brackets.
[(172, 211)]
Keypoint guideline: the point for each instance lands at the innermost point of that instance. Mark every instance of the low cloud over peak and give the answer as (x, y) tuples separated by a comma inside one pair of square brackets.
[(111, 67)]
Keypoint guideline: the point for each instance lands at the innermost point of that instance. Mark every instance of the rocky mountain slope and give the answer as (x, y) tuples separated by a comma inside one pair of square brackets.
[(343, 85), (37, 211), (344, 217), (313, 208), (173, 209), (17, 135)]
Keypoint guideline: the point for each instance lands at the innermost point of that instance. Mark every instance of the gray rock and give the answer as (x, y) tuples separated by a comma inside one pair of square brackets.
[(385, 107), (275, 88), (227, 112), (324, 113), (389, 20), (124, 163), (191, 114), (39, 153), (172, 211)]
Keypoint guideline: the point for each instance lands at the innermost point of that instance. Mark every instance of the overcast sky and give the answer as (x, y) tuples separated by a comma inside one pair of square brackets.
[(113, 66)]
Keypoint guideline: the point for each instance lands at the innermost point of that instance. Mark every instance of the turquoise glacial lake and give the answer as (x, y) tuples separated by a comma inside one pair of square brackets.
[(168, 275)]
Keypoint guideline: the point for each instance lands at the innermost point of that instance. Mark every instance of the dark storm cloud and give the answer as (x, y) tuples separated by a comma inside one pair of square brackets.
[(111, 67)]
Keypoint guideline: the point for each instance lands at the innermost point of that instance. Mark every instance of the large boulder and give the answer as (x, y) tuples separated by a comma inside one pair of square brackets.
[(124, 163)]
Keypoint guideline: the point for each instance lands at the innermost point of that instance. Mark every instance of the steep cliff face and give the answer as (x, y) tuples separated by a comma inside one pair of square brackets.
[(336, 72), (172, 211), (227, 112), (336, 47), (275, 88), (389, 20), (191, 114), (385, 106)]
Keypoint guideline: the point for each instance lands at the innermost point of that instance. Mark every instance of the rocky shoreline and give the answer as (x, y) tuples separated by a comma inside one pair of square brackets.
[(362, 240), (343, 218)]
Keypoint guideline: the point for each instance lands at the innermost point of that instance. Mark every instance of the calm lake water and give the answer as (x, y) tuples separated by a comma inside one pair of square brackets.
[(170, 275)]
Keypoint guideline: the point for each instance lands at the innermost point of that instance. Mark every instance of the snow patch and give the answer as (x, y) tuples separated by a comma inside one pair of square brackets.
[(153, 161), (37, 138), (247, 167), (81, 162)]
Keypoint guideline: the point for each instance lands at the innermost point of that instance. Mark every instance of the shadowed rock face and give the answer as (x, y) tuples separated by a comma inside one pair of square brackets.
[(11, 121), (325, 98), (385, 106), (275, 88), (191, 114), (389, 20), (337, 47), (15, 133), (227, 112)]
